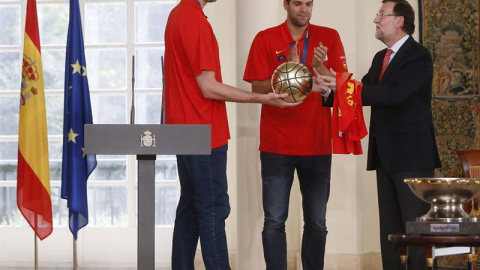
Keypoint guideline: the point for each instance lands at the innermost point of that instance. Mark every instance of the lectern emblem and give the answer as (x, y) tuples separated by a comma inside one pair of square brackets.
[(147, 139)]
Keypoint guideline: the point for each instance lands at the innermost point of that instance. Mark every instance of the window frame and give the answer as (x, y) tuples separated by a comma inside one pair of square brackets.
[(130, 182)]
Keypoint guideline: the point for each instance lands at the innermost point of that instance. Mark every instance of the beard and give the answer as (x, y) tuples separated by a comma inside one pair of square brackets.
[(379, 34), (300, 21)]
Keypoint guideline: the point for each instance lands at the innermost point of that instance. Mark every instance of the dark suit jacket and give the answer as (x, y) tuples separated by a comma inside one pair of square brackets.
[(401, 126)]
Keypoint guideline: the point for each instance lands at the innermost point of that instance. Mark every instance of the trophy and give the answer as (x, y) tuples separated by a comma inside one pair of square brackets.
[(294, 79), (446, 197)]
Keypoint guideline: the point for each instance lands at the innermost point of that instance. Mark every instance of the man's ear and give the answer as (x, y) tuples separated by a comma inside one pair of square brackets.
[(400, 22)]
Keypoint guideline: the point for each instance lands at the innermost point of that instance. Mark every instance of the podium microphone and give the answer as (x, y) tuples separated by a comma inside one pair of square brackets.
[(162, 109), (132, 112)]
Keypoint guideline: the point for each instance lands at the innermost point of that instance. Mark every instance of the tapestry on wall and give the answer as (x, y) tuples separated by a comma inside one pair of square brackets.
[(450, 30)]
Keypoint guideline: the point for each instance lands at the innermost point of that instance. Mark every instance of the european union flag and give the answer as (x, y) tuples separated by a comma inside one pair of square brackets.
[(76, 166)]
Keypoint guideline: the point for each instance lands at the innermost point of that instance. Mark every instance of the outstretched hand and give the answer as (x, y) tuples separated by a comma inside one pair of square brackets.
[(321, 83), (277, 100)]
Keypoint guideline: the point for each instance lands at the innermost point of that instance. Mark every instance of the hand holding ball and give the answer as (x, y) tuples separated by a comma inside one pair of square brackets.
[(294, 79)]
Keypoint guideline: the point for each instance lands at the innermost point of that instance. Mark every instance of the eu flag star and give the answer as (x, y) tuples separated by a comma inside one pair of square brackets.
[(71, 136), (76, 68)]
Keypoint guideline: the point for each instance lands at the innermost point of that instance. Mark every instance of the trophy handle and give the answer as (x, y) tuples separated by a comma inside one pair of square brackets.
[(475, 209)]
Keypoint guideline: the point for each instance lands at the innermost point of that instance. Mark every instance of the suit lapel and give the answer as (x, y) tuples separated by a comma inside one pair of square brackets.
[(399, 56)]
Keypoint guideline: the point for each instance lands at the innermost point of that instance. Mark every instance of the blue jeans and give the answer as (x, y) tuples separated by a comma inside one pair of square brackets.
[(201, 211), (277, 178)]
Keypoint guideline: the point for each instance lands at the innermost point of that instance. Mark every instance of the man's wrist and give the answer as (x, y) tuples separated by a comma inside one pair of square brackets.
[(327, 92)]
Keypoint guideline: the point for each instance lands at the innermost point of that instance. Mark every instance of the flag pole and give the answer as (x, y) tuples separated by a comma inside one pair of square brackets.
[(75, 265), (162, 109), (132, 111), (36, 251)]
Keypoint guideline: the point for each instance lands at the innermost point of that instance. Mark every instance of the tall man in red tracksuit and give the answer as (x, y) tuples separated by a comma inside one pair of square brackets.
[(296, 138), (195, 94)]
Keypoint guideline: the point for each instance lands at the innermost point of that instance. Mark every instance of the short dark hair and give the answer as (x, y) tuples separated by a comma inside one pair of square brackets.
[(288, 1), (404, 9)]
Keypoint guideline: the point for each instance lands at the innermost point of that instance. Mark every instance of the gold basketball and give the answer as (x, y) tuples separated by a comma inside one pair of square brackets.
[(294, 79)]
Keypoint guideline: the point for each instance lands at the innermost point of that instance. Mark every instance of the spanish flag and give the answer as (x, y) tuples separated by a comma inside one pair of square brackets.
[(33, 176)]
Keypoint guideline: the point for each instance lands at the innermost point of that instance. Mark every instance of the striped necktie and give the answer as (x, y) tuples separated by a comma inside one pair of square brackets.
[(385, 63)]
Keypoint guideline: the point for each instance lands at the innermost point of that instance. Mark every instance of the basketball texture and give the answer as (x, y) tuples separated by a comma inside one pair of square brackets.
[(294, 79)]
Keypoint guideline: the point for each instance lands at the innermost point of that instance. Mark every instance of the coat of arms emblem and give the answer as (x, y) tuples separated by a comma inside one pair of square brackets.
[(147, 139)]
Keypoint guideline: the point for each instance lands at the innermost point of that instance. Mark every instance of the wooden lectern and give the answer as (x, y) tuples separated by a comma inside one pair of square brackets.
[(147, 141)]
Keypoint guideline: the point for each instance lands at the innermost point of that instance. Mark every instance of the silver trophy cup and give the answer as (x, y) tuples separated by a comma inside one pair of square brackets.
[(446, 196)]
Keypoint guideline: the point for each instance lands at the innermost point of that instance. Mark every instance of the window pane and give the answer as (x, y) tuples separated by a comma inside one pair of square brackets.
[(148, 62), (150, 20), (8, 161), (105, 23), (54, 106), (109, 109), (53, 23), (106, 69), (55, 170), (55, 149), (9, 214), (10, 70), (166, 168), (59, 208), (109, 168), (55, 158), (10, 22), (8, 150), (53, 62), (147, 108), (165, 205), (8, 170), (9, 115), (107, 206)]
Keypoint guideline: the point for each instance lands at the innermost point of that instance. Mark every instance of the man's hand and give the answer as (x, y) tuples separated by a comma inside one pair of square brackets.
[(293, 54), (319, 55), (277, 100), (321, 83)]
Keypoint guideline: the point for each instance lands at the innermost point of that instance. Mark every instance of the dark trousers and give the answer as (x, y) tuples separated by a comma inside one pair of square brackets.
[(201, 211), (277, 178), (397, 205)]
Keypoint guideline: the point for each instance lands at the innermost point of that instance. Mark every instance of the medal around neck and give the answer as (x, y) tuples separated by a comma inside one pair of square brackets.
[(294, 79)]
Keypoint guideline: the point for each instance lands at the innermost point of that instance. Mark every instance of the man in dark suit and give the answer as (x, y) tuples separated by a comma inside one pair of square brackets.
[(402, 141), (398, 87)]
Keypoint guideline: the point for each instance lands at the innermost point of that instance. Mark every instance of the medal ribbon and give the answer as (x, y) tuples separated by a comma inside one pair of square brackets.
[(305, 47)]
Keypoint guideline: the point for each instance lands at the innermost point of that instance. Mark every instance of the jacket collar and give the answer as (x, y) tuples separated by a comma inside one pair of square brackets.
[(195, 4), (398, 56), (288, 36)]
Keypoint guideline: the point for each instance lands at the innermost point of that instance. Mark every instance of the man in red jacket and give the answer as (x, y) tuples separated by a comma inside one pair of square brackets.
[(195, 94), (296, 138)]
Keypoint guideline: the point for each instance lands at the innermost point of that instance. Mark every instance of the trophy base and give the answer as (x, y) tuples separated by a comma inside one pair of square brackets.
[(459, 220), (448, 212), (442, 228)]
